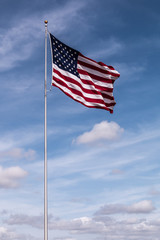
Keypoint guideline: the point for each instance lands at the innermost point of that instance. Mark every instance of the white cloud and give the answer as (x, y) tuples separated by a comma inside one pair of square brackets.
[(6, 234), (17, 219), (9, 234), (96, 228), (9, 177), (117, 172), (18, 43), (102, 131), (112, 228), (18, 153), (64, 238), (110, 47), (16, 139), (145, 206), (130, 72), (154, 192)]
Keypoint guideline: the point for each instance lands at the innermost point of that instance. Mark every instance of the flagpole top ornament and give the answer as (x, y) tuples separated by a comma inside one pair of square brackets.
[(45, 21)]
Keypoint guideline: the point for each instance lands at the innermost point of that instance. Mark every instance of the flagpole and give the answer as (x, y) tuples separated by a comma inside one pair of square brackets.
[(45, 142)]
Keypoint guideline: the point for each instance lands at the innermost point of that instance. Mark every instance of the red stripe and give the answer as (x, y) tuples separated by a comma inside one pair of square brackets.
[(104, 71), (99, 107), (90, 91), (95, 77), (100, 63), (87, 82), (105, 95), (110, 67), (71, 80), (75, 91)]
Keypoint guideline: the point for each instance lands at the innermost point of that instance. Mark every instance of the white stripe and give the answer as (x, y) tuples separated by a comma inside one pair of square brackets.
[(74, 86), (83, 59), (96, 82), (95, 72), (65, 73), (108, 93), (81, 99), (85, 77)]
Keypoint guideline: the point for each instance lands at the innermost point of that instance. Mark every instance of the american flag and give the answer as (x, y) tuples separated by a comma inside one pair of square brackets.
[(81, 78)]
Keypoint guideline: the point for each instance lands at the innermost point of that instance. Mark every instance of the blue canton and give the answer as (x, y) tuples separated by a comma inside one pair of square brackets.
[(64, 57)]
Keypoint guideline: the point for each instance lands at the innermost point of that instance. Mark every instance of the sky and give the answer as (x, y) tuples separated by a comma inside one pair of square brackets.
[(103, 169)]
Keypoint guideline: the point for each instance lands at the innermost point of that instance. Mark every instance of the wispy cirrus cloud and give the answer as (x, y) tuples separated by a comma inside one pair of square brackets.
[(110, 47), (16, 141), (19, 42)]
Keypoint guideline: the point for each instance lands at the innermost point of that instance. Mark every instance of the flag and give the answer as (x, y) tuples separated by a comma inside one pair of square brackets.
[(81, 78)]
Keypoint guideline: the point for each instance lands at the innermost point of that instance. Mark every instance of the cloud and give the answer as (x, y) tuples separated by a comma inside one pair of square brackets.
[(18, 153), (12, 142), (17, 219), (101, 132), (9, 177), (54, 223), (130, 72), (7, 234), (117, 172), (112, 228), (97, 227), (19, 42), (64, 238), (154, 192), (145, 206), (110, 47)]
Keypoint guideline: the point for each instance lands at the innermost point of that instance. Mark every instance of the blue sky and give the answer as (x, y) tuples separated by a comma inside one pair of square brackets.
[(103, 169)]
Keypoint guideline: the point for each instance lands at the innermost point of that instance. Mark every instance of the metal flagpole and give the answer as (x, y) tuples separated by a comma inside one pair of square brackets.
[(45, 142)]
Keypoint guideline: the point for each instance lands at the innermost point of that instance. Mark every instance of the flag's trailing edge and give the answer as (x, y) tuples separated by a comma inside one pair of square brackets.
[(81, 78)]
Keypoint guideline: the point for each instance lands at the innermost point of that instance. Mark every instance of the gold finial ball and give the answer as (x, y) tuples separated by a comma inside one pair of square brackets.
[(45, 21)]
